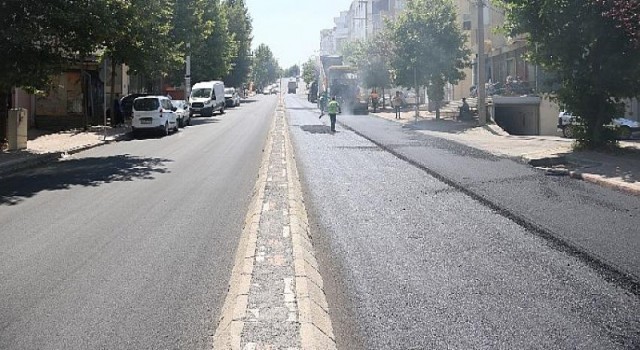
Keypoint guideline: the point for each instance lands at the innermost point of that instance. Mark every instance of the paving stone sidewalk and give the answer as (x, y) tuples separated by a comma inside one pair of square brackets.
[(620, 171), (44, 146)]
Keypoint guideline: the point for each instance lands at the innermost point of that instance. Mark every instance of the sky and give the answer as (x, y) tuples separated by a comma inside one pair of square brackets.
[(291, 28)]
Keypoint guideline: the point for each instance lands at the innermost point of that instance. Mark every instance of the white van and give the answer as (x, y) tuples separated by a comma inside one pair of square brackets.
[(207, 97)]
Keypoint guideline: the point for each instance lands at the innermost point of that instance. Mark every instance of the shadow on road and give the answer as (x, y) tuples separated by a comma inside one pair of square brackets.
[(316, 129), (196, 121), (64, 174)]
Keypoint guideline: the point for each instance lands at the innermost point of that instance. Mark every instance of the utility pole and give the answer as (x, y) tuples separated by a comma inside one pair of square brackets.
[(187, 76), (415, 83), (482, 107)]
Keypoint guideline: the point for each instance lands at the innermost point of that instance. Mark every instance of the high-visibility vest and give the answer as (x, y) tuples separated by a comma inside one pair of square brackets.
[(333, 107)]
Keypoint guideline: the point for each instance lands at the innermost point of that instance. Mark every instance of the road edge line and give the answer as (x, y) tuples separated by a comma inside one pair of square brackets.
[(316, 329), (231, 321)]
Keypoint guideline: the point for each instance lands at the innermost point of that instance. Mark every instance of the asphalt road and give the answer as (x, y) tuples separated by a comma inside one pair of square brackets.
[(411, 262), (129, 245)]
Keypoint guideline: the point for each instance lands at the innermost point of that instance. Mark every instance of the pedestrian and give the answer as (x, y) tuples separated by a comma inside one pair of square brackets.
[(374, 100), (397, 103), (465, 110), (333, 108), (323, 103)]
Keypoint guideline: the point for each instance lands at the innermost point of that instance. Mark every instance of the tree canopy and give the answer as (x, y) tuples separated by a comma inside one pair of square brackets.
[(429, 46), (265, 66), (240, 28), (592, 58), (292, 71), (310, 70)]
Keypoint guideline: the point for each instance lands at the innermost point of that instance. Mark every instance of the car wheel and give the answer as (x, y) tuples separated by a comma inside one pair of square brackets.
[(624, 132), (189, 121), (222, 110), (568, 131), (180, 123)]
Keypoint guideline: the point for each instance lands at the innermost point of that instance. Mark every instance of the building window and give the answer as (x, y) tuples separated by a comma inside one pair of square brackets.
[(466, 21)]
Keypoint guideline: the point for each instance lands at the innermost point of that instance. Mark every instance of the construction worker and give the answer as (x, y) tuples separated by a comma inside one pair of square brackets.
[(333, 108), (324, 99)]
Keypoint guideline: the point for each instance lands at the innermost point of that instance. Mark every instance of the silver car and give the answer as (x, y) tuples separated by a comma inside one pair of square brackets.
[(182, 112)]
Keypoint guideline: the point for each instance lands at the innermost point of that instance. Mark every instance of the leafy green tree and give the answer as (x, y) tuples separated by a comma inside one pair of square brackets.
[(211, 58), (310, 70), (189, 27), (292, 71), (590, 55), (40, 37), (265, 66), (429, 47), (375, 70), (354, 53), (240, 28)]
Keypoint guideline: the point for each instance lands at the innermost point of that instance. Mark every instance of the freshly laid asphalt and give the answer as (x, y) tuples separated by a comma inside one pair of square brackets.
[(426, 243)]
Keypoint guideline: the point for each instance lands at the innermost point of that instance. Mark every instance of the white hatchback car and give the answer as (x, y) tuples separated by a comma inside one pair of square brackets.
[(153, 113)]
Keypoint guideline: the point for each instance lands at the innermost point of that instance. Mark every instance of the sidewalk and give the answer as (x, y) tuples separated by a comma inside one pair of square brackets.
[(45, 146), (553, 153)]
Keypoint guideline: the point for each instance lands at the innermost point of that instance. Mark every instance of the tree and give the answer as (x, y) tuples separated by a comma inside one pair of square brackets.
[(354, 52), (40, 38), (375, 69), (292, 71), (212, 57), (310, 70), (590, 55), (265, 66), (626, 13), (239, 27), (429, 47)]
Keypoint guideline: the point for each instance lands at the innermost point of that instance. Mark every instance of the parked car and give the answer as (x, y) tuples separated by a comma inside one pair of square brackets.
[(182, 112), (231, 97), (625, 127), (206, 98), (153, 113)]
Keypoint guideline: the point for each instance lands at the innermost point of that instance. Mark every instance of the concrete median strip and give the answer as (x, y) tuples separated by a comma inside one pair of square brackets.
[(276, 298)]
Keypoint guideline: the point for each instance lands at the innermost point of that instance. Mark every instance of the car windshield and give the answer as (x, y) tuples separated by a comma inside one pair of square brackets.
[(229, 91), (201, 93), (146, 104)]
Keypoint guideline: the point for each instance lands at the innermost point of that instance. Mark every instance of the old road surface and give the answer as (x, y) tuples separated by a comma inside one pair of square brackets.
[(426, 244), (129, 245)]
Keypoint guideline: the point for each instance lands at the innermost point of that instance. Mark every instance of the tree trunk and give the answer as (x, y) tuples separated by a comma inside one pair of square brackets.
[(5, 96), (384, 100), (112, 93), (437, 109)]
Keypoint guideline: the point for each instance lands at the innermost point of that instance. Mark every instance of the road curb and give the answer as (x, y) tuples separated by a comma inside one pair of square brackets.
[(579, 175), (228, 333), (34, 160), (601, 181), (316, 329)]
